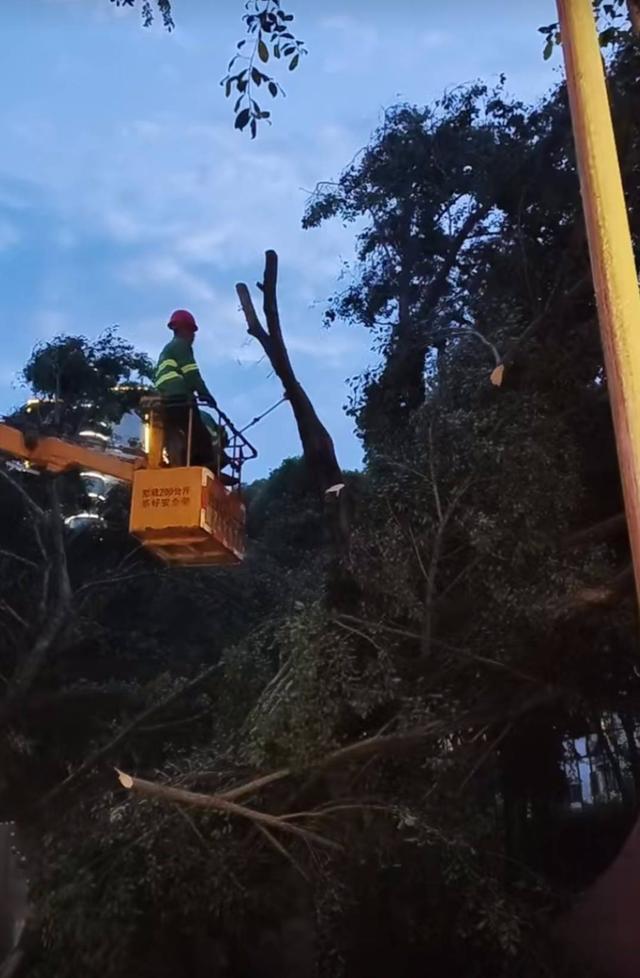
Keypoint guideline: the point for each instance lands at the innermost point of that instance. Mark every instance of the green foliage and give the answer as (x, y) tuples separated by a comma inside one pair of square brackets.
[(269, 35), (322, 692), (285, 514), (431, 187), (87, 380)]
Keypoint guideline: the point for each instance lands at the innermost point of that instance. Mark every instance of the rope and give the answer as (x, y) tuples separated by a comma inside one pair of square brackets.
[(264, 414)]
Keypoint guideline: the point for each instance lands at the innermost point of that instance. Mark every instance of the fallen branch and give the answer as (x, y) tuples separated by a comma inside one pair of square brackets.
[(244, 790), (605, 595), (369, 747), (180, 796), (378, 745)]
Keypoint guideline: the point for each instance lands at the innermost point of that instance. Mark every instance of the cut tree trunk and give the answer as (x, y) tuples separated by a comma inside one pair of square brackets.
[(317, 445)]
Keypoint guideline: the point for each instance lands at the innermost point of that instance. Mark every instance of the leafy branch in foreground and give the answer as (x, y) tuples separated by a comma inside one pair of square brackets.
[(269, 35), (147, 11)]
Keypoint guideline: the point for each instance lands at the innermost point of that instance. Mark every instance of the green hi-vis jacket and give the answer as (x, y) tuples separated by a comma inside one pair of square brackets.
[(177, 375)]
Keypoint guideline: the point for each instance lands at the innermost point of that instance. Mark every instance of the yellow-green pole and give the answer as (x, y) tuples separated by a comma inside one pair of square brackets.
[(612, 262)]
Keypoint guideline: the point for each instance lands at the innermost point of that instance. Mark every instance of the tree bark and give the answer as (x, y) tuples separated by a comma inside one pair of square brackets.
[(194, 799), (317, 444)]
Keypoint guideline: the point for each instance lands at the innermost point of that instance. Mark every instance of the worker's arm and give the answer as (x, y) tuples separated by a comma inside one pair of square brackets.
[(191, 373)]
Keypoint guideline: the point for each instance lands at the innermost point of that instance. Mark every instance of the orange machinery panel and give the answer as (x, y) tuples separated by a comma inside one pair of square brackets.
[(186, 516)]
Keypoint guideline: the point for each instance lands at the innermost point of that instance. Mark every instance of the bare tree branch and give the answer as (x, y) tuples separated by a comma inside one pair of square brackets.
[(436, 553), (57, 616), (271, 839), (29, 503), (181, 796), (19, 559)]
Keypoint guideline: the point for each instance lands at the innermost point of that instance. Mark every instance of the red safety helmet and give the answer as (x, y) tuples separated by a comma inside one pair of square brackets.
[(184, 319)]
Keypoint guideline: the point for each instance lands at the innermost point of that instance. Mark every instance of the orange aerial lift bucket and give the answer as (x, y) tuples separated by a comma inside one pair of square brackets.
[(184, 514)]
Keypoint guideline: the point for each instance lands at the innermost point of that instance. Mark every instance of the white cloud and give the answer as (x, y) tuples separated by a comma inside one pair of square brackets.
[(181, 229), (171, 275), (220, 201), (186, 221)]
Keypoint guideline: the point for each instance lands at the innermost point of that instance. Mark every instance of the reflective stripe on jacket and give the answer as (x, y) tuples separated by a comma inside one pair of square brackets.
[(177, 374)]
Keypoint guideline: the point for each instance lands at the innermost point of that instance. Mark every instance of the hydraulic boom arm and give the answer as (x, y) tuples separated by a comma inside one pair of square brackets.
[(57, 455)]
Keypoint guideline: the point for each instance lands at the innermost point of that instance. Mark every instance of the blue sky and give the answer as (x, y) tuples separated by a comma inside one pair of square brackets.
[(125, 191)]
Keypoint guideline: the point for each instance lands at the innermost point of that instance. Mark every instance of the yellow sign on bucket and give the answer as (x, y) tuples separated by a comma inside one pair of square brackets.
[(186, 515)]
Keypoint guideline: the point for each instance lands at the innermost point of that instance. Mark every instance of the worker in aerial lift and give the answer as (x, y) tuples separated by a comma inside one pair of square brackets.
[(179, 382)]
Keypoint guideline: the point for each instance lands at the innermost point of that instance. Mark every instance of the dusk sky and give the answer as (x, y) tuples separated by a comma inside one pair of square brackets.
[(125, 191)]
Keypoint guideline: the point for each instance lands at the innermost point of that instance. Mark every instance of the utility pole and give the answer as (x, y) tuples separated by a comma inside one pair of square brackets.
[(612, 261)]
